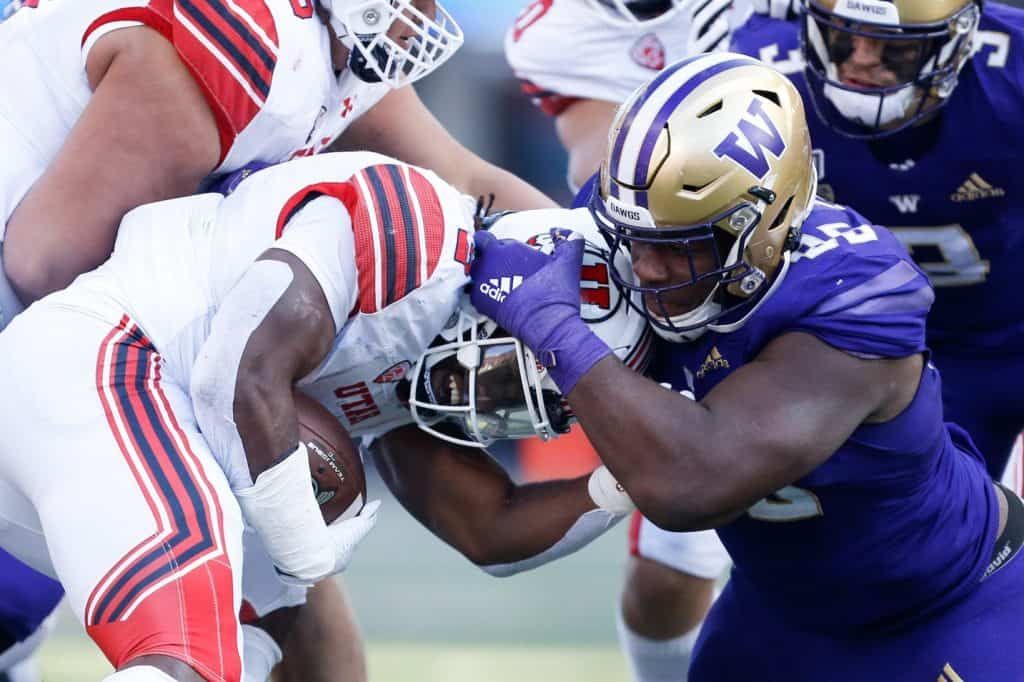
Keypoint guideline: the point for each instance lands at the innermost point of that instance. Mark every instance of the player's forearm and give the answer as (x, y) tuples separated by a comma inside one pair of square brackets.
[(483, 179), (265, 416), (660, 445), (468, 500), (559, 536)]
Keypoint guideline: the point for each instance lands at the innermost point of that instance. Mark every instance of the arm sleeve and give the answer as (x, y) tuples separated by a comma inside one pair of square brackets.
[(320, 235), (231, 49)]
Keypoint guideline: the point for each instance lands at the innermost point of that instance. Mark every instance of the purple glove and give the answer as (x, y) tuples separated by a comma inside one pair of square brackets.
[(536, 298), (226, 184)]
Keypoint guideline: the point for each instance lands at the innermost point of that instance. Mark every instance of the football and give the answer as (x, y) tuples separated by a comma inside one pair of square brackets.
[(339, 481)]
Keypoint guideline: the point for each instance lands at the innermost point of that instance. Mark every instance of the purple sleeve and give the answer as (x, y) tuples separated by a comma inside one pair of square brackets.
[(878, 316), (26, 598)]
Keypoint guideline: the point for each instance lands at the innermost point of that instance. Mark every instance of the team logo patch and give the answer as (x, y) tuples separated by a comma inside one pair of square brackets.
[(949, 675), (713, 361), (975, 188), (649, 52), (395, 372)]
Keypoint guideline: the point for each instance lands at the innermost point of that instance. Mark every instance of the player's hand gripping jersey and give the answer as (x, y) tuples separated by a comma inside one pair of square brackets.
[(264, 67), (951, 191), (565, 50)]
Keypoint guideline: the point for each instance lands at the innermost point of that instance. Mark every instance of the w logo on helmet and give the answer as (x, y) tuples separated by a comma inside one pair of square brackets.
[(757, 135)]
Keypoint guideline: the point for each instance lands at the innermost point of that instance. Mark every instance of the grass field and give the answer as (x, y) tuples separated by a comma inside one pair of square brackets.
[(73, 659)]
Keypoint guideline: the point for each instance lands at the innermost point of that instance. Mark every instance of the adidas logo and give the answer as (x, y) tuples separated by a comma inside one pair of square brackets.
[(499, 288), (713, 361), (975, 188), (949, 675)]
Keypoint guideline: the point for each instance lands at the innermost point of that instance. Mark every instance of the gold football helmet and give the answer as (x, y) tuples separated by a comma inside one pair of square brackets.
[(714, 152), (875, 67)]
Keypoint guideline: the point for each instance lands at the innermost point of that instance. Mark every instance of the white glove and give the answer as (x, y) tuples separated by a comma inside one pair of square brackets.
[(345, 537), (778, 9), (608, 494), (280, 506), (709, 26)]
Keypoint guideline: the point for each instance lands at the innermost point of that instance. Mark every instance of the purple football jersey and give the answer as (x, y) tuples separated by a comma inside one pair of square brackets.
[(900, 521), (952, 192), (28, 597), (951, 189)]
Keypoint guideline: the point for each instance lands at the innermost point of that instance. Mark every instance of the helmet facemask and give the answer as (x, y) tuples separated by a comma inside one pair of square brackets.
[(486, 384), (921, 63), (735, 282), (394, 41), (477, 381)]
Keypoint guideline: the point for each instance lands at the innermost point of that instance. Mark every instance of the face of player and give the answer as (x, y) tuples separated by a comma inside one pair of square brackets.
[(498, 384), (873, 61), (864, 67), (660, 266), (400, 30)]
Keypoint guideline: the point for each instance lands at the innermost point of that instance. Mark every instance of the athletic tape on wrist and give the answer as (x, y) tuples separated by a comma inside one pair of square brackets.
[(607, 493), (280, 506)]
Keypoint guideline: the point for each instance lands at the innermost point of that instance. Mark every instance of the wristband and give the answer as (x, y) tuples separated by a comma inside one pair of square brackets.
[(607, 493), (280, 506), (579, 349)]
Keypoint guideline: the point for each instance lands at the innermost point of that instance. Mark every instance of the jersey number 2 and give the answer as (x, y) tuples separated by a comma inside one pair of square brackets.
[(959, 262)]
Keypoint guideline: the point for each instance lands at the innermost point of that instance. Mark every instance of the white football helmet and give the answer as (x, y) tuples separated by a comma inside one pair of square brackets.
[(396, 42), (487, 384)]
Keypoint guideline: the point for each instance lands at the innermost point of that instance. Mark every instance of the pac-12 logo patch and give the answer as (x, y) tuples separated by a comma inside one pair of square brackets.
[(649, 52), (395, 372)]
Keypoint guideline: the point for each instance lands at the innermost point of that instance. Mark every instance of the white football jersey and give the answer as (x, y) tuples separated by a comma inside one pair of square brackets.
[(564, 50), (264, 67), (389, 244)]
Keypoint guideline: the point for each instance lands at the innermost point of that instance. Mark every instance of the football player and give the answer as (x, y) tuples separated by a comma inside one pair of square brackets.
[(614, 47), (916, 126), (111, 104), (790, 404), (321, 273), (475, 385)]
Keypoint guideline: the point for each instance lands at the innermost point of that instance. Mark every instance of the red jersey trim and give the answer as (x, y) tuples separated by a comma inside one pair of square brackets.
[(551, 103), (398, 225)]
